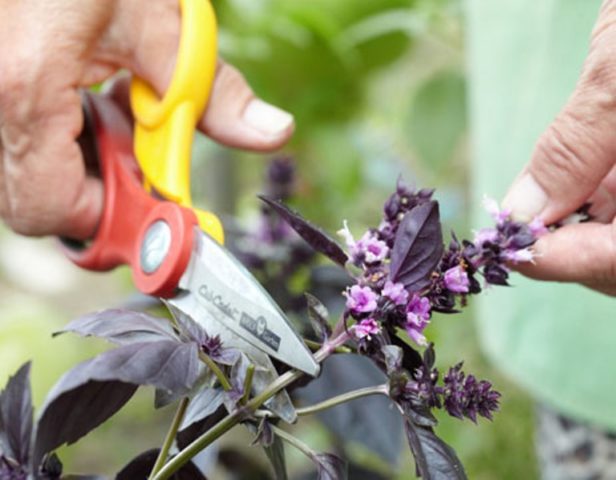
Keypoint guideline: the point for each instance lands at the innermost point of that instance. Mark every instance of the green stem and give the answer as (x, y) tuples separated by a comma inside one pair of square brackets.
[(236, 417), (222, 378), (296, 442), (250, 371), (314, 346), (170, 437), (345, 397)]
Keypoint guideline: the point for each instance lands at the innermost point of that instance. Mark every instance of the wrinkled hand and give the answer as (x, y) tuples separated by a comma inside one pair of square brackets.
[(51, 48), (573, 162)]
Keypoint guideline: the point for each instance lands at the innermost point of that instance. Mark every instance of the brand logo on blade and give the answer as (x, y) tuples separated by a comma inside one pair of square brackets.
[(216, 300), (258, 327)]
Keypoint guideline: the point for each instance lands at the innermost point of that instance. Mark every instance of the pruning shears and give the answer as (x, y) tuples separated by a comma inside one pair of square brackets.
[(175, 251)]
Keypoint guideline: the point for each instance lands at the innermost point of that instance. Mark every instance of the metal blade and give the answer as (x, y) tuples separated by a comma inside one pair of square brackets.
[(186, 304), (231, 295)]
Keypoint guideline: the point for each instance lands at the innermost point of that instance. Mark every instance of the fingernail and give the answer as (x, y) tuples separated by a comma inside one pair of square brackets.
[(526, 199), (266, 118)]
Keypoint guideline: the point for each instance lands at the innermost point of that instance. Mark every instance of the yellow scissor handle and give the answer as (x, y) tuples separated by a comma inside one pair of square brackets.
[(164, 128)]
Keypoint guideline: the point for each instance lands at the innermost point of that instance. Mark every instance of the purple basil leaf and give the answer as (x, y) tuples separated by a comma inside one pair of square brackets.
[(73, 413), (16, 416), (393, 358), (275, 454), (319, 317), (314, 236), (434, 459), (201, 406), (418, 247), (330, 467), (51, 467), (264, 434), (122, 327), (96, 389), (141, 466), (189, 329)]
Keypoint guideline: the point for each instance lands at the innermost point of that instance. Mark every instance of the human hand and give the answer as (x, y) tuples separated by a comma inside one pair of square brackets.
[(574, 162), (51, 48)]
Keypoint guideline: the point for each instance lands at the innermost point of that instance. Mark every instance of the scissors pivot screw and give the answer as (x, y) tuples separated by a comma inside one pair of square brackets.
[(155, 246)]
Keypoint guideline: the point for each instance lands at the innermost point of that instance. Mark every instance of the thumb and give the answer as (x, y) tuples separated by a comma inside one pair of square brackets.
[(578, 149), (583, 253), (234, 116)]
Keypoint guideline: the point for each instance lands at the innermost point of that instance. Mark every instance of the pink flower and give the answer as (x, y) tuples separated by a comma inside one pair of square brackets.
[(395, 292), (360, 299), (485, 235), (519, 256), (366, 328), (418, 307), (495, 211), (456, 280), (537, 227), (368, 249)]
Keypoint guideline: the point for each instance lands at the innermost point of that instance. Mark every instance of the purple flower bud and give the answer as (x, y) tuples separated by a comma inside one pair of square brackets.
[(370, 248), (395, 292), (456, 280), (360, 300), (419, 306), (366, 328), (466, 397)]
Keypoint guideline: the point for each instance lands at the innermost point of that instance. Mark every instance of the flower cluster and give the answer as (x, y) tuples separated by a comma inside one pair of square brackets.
[(459, 394), (379, 302)]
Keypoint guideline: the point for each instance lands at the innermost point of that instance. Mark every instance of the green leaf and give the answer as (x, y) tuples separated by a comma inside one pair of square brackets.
[(438, 118)]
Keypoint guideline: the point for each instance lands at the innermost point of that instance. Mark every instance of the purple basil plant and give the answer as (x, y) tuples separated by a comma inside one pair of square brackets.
[(390, 282)]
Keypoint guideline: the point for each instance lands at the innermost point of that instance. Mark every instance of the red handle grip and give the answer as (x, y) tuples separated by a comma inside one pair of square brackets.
[(129, 211)]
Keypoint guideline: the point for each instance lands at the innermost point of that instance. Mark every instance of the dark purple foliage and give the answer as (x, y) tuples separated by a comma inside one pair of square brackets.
[(122, 327), (330, 467), (434, 459), (16, 418), (314, 236), (141, 466), (417, 248)]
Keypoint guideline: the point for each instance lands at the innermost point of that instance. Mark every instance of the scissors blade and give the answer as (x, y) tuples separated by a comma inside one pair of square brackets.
[(187, 304), (230, 294)]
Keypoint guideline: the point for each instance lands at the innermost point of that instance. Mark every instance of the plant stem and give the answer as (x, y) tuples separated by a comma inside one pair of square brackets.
[(222, 378), (170, 437), (345, 397), (238, 416), (293, 440), (314, 346), (250, 371)]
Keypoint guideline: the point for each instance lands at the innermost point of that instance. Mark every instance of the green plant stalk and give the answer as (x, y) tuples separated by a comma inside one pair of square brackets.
[(343, 398), (296, 442), (314, 346), (170, 437), (230, 421), (250, 371), (222, 378)]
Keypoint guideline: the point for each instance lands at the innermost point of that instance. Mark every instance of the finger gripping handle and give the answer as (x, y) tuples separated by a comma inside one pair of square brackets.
[(129, 211)]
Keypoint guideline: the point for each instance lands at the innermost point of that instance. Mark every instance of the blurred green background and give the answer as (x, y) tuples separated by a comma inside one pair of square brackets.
[(378, 89)]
